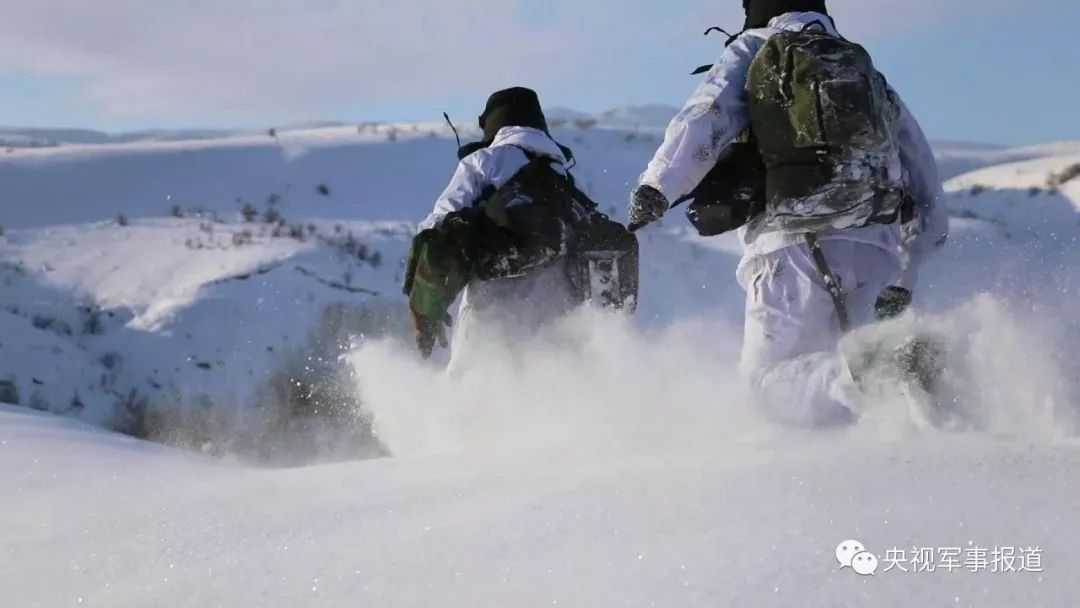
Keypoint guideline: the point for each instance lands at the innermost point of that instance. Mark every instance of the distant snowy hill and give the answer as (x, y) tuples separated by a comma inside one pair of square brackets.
[(13, 137), (19, 137), (654, 116), (563, 114), (957, 158), (42, 137), (238, 295)]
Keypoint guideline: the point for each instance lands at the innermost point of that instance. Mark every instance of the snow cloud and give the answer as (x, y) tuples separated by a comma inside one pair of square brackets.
[(206, 58)]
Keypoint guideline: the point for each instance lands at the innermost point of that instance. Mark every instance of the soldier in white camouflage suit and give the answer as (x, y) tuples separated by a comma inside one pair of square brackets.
[(791, 354)]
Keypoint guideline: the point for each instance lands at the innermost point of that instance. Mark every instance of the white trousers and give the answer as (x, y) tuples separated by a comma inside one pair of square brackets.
[(497, 315), (791, 354)]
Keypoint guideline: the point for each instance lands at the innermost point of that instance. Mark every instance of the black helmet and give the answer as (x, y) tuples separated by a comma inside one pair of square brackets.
[(513, 107), (760, 12)]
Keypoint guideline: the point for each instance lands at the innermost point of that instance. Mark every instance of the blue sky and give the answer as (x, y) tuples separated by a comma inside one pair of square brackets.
[(989, 70), (1012, 77)]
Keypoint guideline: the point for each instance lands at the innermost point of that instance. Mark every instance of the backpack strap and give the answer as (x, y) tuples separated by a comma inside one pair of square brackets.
[(832, 284), (578, 195), (824, 28), (815, 23), (731, 38), (533, 157)]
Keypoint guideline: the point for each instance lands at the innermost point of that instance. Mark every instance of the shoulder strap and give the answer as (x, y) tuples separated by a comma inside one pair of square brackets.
[(731, 38), (815, 23), (824, 28), (832, 284), (578, 195), (533, 157)]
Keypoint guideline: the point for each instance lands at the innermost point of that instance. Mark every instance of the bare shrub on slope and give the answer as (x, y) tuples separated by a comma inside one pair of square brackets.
[(1066, 175)]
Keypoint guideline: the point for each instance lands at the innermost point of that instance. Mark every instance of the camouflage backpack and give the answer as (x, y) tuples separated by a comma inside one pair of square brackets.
[(540, 216), (535, 219), (827, 131)]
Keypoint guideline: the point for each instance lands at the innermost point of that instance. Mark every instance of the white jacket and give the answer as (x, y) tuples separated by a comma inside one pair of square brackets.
[(717, 113), (505, 311), (492, 167)]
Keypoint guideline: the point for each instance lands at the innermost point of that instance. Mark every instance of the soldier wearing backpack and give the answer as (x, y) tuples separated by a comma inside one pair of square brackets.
[(514, 232), (850, 201)]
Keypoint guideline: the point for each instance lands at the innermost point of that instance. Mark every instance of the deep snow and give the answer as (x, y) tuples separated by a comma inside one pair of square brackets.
[(99, 520), (614, 464)]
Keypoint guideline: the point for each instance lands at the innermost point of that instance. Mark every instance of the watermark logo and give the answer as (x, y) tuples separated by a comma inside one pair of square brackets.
[(864, 563), (974, 559), (853, 554)]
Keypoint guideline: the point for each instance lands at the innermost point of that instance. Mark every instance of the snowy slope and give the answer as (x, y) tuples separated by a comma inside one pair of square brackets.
[(1016, 229), (958, 158), (187, 314), (97, 520), (616, 464), (138, 257)]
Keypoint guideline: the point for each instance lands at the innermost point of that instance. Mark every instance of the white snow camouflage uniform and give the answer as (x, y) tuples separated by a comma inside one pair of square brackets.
[(790, 350), (494, 314)]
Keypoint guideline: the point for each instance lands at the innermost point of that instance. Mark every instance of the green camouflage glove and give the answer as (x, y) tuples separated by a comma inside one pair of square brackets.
[(427, 331), (438, 270)]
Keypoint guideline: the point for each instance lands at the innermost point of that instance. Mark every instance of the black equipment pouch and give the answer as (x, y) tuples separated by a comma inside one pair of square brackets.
[(604, 263), (731, 194)]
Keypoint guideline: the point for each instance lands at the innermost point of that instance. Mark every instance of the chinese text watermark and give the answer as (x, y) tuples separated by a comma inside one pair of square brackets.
[(973, 559)]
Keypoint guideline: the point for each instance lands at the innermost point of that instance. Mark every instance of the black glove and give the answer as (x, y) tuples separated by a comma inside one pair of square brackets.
[(892, 303), (647, 205), (427, 331)]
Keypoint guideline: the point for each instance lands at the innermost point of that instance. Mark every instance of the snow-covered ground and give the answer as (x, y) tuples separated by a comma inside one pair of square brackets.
[(616, 464), (92, 519)]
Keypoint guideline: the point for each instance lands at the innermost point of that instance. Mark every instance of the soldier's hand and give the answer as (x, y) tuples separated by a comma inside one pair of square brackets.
[(647, 205), (427, 332)]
